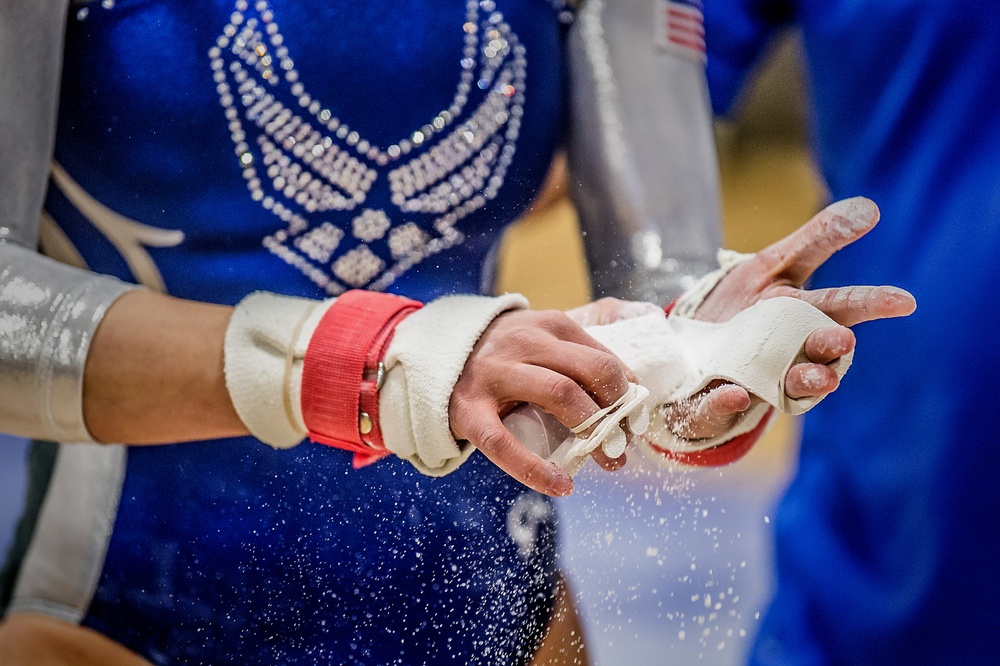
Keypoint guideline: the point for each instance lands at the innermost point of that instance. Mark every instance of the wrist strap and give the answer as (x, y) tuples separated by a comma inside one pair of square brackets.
[(341, 372)]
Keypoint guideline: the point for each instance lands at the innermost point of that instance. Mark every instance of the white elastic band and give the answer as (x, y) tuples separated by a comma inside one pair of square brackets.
[(264, 347), (601, 413)]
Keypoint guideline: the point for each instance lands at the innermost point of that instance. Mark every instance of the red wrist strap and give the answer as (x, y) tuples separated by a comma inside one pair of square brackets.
[(341, 372), (717, 456)]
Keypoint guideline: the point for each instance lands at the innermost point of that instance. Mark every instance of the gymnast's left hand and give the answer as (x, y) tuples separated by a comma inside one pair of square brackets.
[(538, 357), (780, 270)]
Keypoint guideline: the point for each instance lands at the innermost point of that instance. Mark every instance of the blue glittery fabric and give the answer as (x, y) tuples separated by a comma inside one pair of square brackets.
[(230, 552)]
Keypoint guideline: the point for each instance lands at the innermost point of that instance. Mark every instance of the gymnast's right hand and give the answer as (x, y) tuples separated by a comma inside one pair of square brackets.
[(539, 357)]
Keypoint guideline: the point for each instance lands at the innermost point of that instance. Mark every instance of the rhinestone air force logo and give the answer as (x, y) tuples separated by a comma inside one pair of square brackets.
[(310, 169)]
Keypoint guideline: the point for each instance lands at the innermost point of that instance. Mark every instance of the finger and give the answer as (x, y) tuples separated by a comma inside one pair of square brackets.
[(600, 373), (849, 306), (810, 380), (564, 328), (557, 394), (609, 310), (826, 345), (710, 413), (796, 257), (568, 330), (606, 461), (534, 346), (484, 429)]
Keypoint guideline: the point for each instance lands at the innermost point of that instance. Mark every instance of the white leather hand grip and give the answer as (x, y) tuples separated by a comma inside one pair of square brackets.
[(675, 357)]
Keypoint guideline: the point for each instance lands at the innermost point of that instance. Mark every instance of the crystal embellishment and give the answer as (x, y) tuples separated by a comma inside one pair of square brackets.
[(315, 173), (320, 242), (358, 266), (370, 225), (407, 240)]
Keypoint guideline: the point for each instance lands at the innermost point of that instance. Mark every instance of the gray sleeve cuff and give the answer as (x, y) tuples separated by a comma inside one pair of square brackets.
[(48, 315), (642, 154)]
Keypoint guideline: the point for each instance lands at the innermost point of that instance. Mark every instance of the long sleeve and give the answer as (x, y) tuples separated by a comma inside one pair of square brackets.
[(642, 153), (48, 311)]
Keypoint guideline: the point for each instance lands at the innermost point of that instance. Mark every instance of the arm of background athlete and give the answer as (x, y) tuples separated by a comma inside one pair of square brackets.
[(49, 311), (642, 154)]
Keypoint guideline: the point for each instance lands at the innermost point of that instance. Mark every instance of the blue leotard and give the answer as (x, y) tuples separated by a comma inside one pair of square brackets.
[(887, 546), (219, 147)]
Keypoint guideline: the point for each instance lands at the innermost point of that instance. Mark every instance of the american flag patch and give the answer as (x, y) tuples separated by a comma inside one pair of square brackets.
[(680, 27)]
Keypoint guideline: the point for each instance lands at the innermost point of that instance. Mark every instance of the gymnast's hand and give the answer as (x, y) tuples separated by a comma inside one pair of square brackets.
[(780, 270), (543, 358)]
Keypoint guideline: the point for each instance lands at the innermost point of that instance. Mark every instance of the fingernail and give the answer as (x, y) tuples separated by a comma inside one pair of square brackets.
[(901, 297), (859, 213), (562, 486), (813, 378)]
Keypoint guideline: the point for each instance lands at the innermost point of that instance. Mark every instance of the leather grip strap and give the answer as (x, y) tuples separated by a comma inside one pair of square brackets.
[(339, 385)]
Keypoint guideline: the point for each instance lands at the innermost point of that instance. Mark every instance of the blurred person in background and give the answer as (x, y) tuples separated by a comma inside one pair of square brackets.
[(887, 544)]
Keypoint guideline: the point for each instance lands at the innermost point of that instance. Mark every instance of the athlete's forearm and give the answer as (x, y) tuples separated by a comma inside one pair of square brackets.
[(155, 373)]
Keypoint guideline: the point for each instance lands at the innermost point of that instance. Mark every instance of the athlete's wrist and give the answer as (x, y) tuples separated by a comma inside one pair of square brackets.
[(368, 372)]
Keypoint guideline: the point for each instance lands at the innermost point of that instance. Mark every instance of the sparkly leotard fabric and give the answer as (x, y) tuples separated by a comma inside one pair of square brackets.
[(210, 149)]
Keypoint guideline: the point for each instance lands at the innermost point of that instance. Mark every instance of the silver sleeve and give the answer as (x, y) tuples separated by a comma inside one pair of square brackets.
[(48, 311), (643, 164)]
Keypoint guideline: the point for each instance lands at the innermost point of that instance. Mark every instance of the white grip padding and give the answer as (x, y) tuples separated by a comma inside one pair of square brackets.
[(675, 358), (424, 360), (265, 343), (755, 349)]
